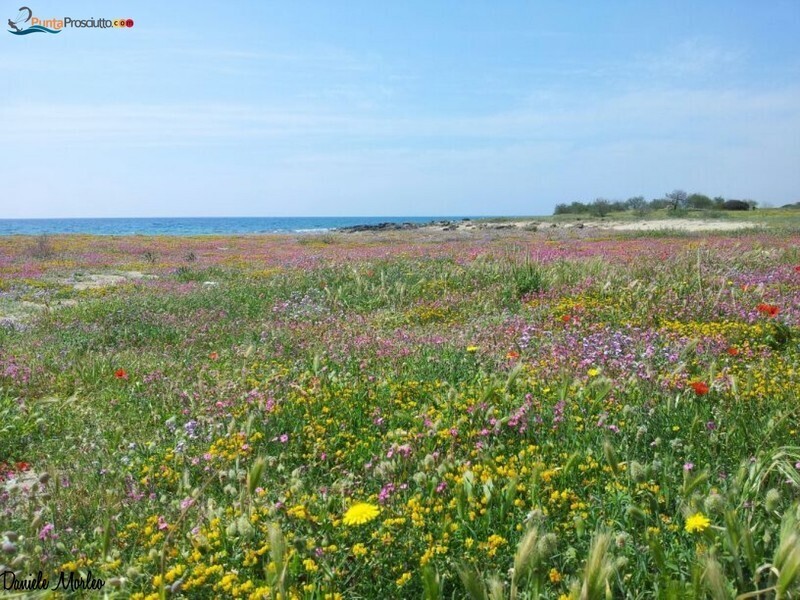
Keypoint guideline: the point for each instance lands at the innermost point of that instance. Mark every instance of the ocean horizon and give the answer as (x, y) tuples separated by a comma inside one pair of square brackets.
[(197, 225)]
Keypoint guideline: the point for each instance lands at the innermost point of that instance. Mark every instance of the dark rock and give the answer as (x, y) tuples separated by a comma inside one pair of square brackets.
[(380, 227)]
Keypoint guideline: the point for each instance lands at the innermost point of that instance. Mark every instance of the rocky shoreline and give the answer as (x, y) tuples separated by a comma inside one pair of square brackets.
[(445, 225)]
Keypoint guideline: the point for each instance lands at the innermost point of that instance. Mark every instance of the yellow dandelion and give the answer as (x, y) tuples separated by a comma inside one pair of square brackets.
[(697, 523), (471, 349), (360, 513)]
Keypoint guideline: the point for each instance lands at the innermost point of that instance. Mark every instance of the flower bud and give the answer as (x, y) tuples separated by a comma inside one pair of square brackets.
[(773, 500), (547, 544), (714, 503), (638, 472), (636, 514)]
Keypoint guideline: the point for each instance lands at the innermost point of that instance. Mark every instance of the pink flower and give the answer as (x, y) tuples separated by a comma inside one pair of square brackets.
[(46, 533)]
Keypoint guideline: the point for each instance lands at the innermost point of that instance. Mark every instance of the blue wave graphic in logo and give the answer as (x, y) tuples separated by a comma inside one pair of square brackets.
[(35, 29)]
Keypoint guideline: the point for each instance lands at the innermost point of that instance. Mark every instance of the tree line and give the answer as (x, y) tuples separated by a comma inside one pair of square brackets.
[(676, 200)]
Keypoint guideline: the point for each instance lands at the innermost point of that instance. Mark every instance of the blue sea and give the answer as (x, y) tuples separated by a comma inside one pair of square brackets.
[(197, 225)]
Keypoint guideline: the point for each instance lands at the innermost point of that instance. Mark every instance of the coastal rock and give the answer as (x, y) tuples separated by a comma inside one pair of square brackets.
[(379, 227)]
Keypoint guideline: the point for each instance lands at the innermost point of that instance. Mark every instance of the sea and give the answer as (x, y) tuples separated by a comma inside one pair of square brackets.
[(197, 225)]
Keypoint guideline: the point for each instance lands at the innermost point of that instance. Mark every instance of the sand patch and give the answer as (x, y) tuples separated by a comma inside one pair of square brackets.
[(643, 225), (681, 225), (101, 280)]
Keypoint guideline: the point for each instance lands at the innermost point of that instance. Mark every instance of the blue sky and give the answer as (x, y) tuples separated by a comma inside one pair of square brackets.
[(397, 108)]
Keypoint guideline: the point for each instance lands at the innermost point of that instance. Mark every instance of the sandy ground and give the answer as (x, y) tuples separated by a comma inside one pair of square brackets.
[(654, 225), (683, 225)]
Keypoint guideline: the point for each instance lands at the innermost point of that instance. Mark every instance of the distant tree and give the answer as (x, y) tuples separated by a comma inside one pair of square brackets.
[(735, 205), (676, 199), (700, 201), (752, 204), (573, 208), (636, 203), (718, 201), (657, 203), (601, 207), (618, 206)]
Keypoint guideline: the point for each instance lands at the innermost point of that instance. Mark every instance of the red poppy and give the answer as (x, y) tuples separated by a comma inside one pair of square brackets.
[(23, 466), (797, 269), (733, 351), (512, 354), (566, 318), (768, 309), (700, 388), (121, 374), (213, 356)]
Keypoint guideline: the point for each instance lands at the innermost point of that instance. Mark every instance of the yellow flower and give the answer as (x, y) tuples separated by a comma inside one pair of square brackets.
[(593, 372), (697, 523), (554, 575), (360, 513), (359, 550), (472, 348), (403, 579)]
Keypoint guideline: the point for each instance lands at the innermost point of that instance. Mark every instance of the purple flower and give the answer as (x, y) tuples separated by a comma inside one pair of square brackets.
[(46, 532), (190, 428), (688, 466), (385, 493)]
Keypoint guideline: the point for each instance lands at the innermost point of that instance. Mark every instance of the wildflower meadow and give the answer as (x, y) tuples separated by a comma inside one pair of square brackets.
[(532, 415)]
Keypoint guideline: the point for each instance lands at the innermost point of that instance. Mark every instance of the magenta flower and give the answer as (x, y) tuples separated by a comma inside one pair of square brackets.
[(46, 532)]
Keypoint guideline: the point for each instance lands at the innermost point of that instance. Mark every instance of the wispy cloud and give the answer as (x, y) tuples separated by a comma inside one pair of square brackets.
[(647, 112), (692, 57)]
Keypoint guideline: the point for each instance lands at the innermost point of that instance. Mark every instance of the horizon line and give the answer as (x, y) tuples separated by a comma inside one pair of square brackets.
[(277, 217)]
